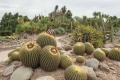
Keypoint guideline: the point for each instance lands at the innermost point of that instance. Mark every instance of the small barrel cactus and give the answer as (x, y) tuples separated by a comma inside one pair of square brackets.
[(89, 48), (45, 39), (115, 54), (15, 56), (49, 58), (10, 53), (65, 61), (99, 54), (79, 48), (80, 59), (74, 72), (105, 51), (9, 60), (30, 54)]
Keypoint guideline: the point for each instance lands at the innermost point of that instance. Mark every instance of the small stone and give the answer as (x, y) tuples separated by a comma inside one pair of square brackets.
[(22, 73), (114, 72), (117, 63), (109, 46), (90, 73), (94, 63), (98, 74), (104, 67), (110, 64), (112, 68), (46, 78), (9, 70)]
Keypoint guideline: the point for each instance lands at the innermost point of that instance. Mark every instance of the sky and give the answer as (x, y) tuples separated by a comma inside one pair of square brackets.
[(44, 7)]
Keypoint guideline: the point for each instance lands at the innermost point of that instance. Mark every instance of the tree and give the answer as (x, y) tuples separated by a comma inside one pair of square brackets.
[(68, 14)]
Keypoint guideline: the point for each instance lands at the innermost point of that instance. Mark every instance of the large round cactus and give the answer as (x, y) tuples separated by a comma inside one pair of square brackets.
[(45, 39), (89, 48), (79, 48), (15, 56), (30, 54), (80, 59), (49, 58), (99, 54), (115, 54), (105, 51), (65, 61), (74, 72)]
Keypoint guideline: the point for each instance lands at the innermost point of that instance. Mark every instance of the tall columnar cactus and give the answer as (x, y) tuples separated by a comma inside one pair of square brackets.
[(45, 39), (89, 48), (65, 61), (30, 54), (74, 72), (115, 54), (99, 54), (80, 59), (79, 48), (102, 24), (49, 58), (105, 51)]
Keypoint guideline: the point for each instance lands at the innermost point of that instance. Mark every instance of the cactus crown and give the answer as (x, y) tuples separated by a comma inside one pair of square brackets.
[(30, 45), (53, 50)]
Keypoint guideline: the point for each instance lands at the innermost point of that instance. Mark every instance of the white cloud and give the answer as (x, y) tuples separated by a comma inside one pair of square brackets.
[(77, 7)]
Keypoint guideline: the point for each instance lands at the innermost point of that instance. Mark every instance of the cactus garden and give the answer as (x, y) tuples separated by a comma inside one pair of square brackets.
[(81, 49)]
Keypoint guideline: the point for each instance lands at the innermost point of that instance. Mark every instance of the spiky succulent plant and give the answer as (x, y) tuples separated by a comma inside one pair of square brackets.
[(89, 48), (80, 59), (65, 61), (30, 54), (115, 54), (45, 39), (15, 56), (49, 58), (99, 54), (105, 51), (79, 48), (74, 72)]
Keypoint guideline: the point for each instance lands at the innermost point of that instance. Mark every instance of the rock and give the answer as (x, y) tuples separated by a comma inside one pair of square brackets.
[(9, 70), (117, 63), (98, 74), (108, 49), (112, 68), (117, 33), (16, 63), (46, 78), (104, 67), (90, 73), (65, 52), (22, 73), (110, 64), (94, 63), (109, 46)]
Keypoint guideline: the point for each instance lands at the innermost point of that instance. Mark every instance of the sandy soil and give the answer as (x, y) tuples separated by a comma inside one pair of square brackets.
[(59, 73)]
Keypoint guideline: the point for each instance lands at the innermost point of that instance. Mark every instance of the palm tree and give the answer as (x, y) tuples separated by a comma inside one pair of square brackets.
[(63, 12), (55, 10)]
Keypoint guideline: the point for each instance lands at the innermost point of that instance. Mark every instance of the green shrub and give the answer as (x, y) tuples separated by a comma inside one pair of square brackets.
[(6, 33), (88, 34)]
